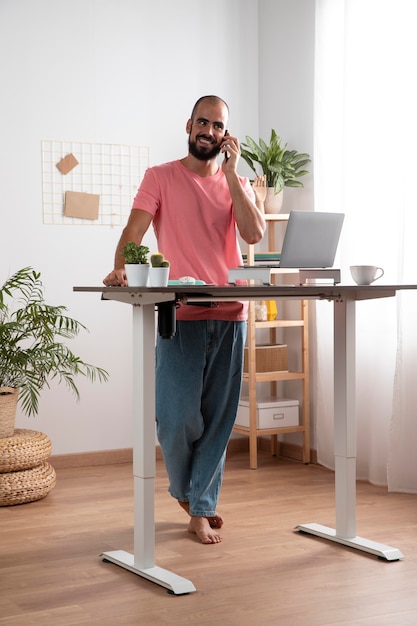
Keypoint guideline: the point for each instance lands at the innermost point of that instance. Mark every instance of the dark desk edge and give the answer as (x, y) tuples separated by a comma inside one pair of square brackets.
[(239, 292)]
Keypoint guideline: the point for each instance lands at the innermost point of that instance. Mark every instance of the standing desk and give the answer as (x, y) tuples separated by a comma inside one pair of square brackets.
[(143, 301)]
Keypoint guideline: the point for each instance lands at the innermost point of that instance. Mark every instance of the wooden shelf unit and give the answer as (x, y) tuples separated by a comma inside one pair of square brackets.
[(252, 377)]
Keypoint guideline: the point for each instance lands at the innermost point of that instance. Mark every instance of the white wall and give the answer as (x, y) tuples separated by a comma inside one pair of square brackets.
[(119, 71), (286, 81), (286, 103)]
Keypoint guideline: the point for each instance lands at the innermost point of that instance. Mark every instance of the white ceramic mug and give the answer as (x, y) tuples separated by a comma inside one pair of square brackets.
[(366, 274)]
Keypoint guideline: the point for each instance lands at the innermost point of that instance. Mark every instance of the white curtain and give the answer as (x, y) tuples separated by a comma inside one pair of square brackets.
[(364, 165)]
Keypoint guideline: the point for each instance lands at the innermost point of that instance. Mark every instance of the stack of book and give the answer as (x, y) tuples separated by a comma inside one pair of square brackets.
[(265, 259)]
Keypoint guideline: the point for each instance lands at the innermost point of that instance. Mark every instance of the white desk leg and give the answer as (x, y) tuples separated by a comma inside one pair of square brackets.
[(142, 561), (345, 441)]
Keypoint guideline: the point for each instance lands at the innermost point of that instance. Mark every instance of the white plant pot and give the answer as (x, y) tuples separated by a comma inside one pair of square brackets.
[(158, 276), (137, 274), (273, 201)]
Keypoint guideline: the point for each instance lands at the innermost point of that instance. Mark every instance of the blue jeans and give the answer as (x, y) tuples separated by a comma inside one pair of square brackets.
[(198, 382)]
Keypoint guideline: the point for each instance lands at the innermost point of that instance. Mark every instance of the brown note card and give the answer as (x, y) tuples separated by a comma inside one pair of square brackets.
[(67, 164), (82, 205)]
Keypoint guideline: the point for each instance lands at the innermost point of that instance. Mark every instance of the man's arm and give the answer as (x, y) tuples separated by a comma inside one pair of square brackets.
[(249, 218), (135, 229)]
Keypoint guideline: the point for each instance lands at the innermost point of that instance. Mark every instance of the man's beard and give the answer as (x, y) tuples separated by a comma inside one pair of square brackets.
[(203, 154)]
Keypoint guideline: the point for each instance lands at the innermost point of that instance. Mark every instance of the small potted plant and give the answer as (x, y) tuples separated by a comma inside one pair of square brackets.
[(31, 353), (159, 270), (136, 264), (281, 167)]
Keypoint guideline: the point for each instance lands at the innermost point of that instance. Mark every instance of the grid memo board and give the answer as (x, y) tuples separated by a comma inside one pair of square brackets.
[(114, 172)]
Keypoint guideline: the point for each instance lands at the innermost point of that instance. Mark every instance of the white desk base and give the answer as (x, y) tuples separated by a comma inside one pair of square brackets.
[(344, 297), (366, 545), (142, 562), (158, 575), (345, 440)]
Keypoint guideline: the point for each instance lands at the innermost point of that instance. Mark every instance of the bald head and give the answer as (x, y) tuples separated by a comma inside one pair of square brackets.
[(214, 100)]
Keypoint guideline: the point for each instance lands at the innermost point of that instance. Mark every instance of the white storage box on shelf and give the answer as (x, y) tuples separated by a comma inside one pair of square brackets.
[(270, 412)]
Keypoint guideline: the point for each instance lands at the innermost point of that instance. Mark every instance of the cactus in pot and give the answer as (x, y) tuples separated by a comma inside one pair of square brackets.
[(159, 270), (158, 260)]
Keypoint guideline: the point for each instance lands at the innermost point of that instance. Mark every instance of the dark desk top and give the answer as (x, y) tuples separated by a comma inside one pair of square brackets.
[(195, 293)]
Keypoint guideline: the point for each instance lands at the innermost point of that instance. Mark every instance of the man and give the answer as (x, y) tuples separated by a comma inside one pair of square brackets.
[(195, 207)]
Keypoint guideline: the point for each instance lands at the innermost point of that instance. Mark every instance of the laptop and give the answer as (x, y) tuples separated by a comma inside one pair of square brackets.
[(311, 239)]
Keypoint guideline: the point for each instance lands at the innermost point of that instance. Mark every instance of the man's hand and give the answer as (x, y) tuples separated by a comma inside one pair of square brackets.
[(230, 146), (260, 188), (116, 278)]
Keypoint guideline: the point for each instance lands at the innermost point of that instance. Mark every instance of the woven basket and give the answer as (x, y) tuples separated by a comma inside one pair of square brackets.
[(26, 449), (27, 485), (8, 403)]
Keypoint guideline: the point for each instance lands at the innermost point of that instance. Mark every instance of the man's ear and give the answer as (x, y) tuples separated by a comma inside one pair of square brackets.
[(188, 127)]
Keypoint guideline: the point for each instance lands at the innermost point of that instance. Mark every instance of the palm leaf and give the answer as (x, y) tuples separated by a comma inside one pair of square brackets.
[(31, 352)]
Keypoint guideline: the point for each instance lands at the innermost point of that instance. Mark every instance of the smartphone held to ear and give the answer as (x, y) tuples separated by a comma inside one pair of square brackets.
[(226, 156)]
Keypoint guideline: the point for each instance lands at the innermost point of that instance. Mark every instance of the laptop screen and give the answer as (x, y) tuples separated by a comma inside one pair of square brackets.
[(311, 239)]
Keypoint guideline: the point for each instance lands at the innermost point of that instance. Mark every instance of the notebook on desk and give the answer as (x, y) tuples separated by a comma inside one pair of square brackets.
[(310, 240)]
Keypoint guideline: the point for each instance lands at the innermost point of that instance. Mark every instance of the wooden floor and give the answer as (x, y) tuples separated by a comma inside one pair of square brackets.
[(263, 573)]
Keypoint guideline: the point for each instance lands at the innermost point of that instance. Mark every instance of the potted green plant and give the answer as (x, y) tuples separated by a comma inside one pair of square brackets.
[(136, 264), (159, 270), (31, 352), (282, 167)]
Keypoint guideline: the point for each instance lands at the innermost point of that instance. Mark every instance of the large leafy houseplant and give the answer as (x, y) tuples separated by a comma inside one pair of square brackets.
[(31, 352), (282, 167)]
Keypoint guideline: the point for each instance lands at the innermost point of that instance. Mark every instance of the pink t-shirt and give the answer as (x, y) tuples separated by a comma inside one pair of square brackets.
[(195, 229)]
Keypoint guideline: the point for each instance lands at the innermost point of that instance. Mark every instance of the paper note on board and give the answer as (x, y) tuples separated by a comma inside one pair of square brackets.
[(81, 205), (67, 164)]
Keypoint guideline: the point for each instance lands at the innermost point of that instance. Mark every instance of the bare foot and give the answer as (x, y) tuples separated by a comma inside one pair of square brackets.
[(200, 526), (215, 521)]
